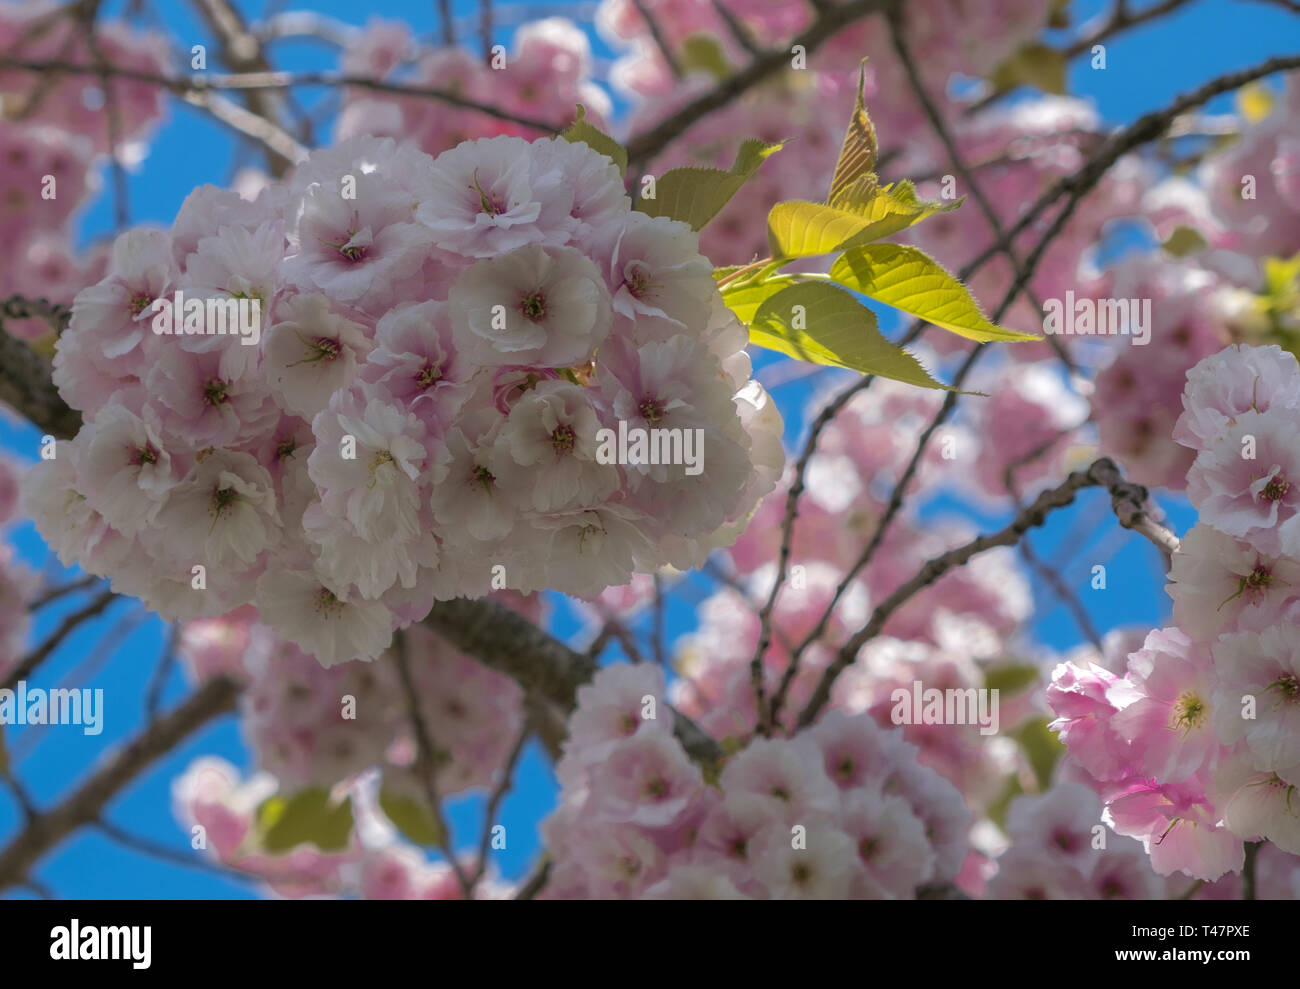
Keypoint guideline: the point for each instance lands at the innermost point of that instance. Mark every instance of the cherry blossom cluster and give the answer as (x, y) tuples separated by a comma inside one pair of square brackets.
[(843, 810), (311, 726), (1059, 850), (348, 730), (1195, 745), (447, 342)]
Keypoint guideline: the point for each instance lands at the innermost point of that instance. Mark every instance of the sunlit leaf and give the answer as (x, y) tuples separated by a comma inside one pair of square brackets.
[(800, 229), (696, 195), (910, 280), (596, 139), (819, 323), (854, 181)]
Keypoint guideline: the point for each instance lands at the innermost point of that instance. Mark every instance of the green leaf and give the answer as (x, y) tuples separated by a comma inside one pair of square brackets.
[(410, 816), (997, 810), (308, 816), (1042, 747), (832, 328), (702, 51), (802, 230), (596, 139), (1184, 240), (854, 182), (696, 195), (1036, 64), (1011, 679), (910, 280), (745, 298)]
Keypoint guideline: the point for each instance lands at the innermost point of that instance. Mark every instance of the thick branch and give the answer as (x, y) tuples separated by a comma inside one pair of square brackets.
[(25, 380), (541, 664)]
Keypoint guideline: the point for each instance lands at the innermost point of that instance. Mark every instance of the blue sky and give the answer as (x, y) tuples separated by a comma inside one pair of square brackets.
[(1146, 68)]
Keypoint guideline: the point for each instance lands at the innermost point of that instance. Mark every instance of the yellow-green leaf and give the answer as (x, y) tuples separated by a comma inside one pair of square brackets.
[(819, 323), (696, 195), (596, 139), (801, 230), (854, 181), (1043, 748), (744, 298), (1011, 679), (410, 816), (308, 816), (1036, 64), (910, 280), (1184, 240), (702, 51)]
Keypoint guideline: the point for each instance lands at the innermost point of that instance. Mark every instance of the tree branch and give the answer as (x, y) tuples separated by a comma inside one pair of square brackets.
[(242, 52), (25, 382), (70, 623), (47, 828), (829, 22), (1101, 473), (660, 40), (541, 664), (426, 764), (251, 81)]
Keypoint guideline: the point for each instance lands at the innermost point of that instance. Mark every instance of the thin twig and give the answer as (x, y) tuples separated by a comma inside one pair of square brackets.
[(426, 764), (828, 23), (536, 881), (660, 39), (164, 853), (252, 81), (166, 663), (85, 805), (54, 593), (494, 802), (941, 130), (1101, 473), (70, 624)]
